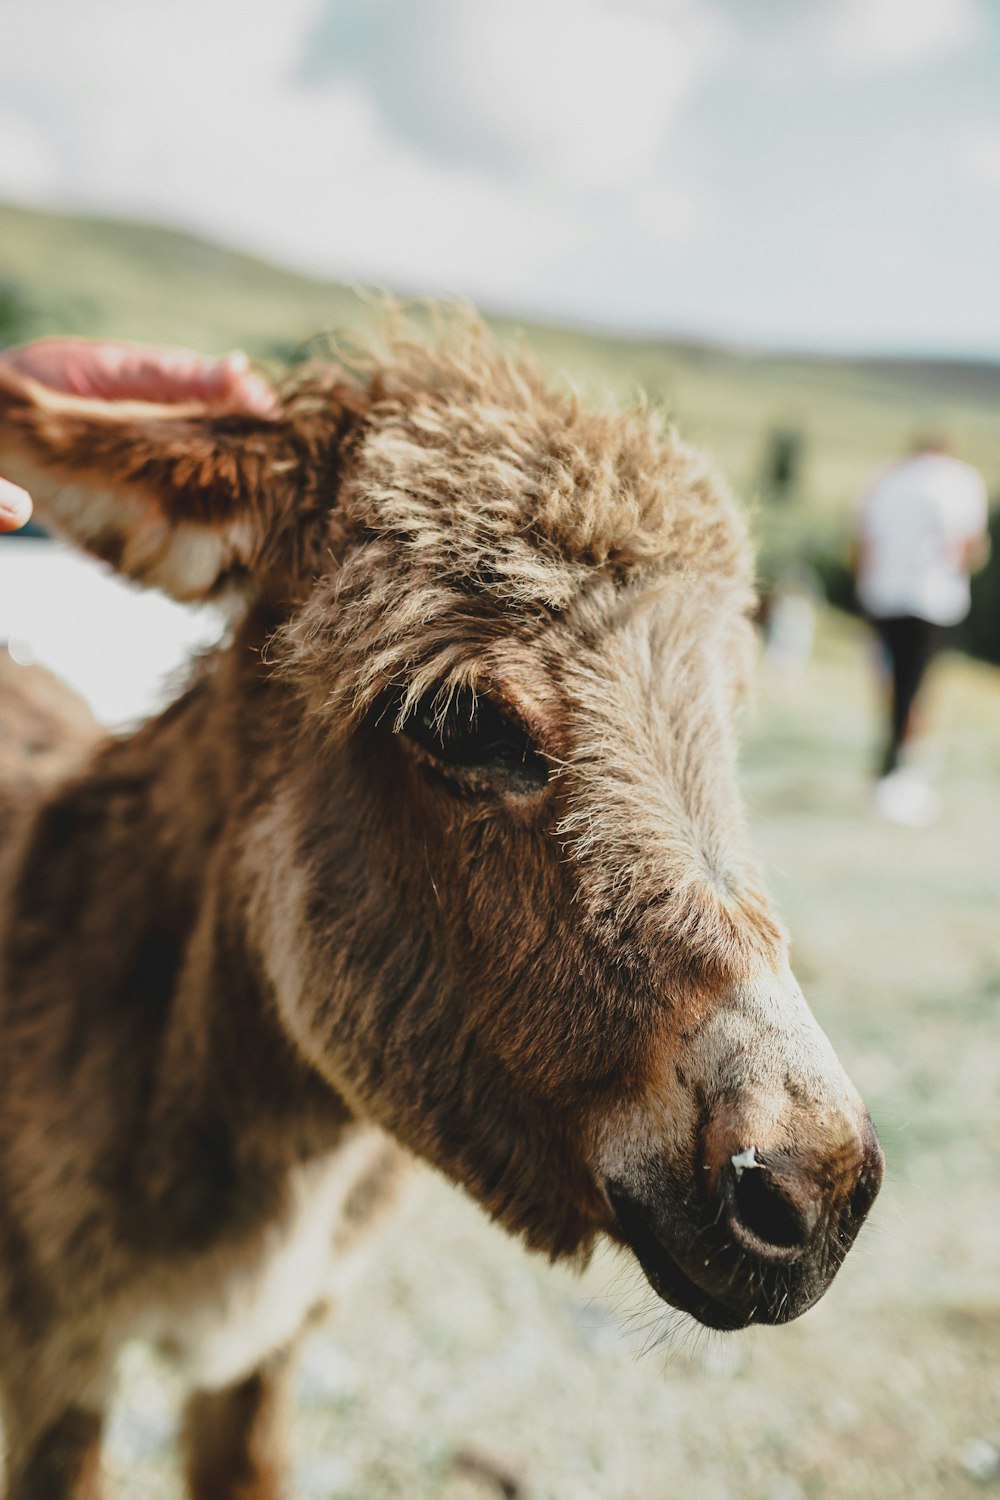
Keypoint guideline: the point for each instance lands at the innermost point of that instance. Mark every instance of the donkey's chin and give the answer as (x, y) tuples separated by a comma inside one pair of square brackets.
[(739, 1294), (666, 1276)]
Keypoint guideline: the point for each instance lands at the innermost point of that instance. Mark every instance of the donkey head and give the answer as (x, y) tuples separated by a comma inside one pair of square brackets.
[(501, 891)]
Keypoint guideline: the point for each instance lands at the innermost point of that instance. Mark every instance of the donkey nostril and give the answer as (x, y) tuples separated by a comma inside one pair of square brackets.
[(863, 1197), (762, 1209)]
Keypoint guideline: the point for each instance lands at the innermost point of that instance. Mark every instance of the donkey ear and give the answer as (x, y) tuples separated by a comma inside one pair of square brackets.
[(184, 498)]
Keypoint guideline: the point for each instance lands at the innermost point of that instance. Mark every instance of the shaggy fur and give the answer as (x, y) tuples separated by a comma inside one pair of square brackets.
[(316, 915)]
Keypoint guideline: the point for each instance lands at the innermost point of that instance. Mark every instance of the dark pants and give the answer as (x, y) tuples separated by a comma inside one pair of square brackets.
[(910, 644)]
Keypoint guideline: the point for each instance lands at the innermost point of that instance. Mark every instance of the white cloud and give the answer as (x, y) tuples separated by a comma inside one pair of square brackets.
[(575, 91), (885, 36), (28, 166), (979, 156)]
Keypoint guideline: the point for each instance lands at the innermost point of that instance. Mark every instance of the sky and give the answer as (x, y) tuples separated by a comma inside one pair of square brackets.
[(816, 174)]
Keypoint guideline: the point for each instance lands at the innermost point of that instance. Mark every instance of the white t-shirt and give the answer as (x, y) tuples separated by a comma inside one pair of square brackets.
[(915, 521)]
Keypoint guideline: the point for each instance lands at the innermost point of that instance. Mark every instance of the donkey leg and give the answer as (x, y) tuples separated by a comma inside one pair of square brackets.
[(53, 1395), (61, 1462), (235, 1438)]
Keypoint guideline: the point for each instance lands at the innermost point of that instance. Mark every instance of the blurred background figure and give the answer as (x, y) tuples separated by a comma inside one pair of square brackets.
[(782, 467), (921, 532), (789, 620)]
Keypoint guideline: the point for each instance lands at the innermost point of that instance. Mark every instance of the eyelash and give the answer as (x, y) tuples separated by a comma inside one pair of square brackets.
[(475, 733)]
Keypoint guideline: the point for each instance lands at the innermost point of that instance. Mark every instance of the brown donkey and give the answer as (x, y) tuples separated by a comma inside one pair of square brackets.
[(441, 854)]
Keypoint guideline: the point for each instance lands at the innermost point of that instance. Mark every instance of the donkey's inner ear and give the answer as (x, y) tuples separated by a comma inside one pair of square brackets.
[(184, 498)]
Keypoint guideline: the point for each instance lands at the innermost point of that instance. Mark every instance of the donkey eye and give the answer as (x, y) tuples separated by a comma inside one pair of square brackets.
[(475, 733)]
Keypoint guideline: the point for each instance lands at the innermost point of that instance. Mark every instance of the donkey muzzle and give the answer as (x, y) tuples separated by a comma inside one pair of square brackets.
[(742, 1193), (764, 1231)]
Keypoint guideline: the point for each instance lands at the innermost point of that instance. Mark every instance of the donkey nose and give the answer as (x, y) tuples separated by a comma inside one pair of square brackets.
[(769, 1210), (778, 1202)]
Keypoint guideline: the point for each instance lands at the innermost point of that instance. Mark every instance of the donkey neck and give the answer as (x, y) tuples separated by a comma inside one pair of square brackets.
[(226, 1064), (159, 1022)]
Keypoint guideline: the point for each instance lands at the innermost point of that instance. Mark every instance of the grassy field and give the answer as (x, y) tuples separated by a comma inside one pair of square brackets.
[(459, 1344)]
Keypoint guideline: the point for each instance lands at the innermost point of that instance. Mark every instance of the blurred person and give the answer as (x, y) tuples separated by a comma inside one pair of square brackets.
[(790, 622), (922, 530), (119, 371)]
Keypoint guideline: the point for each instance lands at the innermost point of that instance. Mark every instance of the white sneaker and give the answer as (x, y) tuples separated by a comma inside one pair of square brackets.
[(903, 798)]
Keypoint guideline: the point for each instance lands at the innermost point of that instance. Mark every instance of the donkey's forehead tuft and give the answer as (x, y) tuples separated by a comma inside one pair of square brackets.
[(478, 468), (478, 502)]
